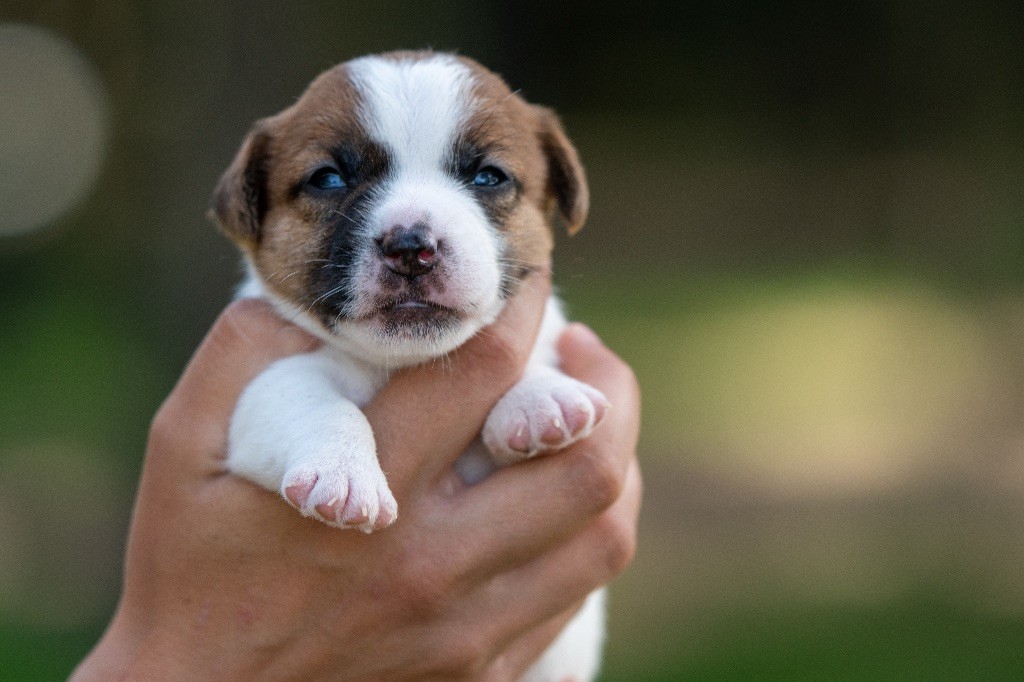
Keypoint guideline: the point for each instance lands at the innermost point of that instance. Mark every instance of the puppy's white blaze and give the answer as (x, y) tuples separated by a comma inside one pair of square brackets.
[(413, 107), (471, 248), (416, 109)]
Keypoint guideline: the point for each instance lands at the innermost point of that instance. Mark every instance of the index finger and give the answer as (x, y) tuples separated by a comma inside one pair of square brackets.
[(526, 507), (427, 415), (246, 338)]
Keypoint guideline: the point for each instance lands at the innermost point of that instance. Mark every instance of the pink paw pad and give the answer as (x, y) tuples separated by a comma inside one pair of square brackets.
[(577, 416), (520, 438), (543, 414), (329, 510), (386, 517), (553, 433), (298, 493), (341, 497), (356, 516)]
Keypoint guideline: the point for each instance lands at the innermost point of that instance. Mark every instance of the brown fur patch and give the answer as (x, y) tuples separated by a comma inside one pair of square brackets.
[(530, 141), (289, 246), (260, 205)]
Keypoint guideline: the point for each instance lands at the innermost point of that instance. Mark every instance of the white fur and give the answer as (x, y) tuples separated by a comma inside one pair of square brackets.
[(576, 654), (544, 402), (299, 424), (415, 109), (470, 260)]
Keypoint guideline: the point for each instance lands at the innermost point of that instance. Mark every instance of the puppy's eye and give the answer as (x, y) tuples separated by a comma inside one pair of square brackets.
[(489, 177), (327, 179)]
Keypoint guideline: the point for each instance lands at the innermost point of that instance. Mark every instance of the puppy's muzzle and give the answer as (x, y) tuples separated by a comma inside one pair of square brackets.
[(409, 251)]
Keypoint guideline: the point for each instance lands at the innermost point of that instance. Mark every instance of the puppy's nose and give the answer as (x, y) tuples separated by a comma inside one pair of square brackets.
[(408, 251)]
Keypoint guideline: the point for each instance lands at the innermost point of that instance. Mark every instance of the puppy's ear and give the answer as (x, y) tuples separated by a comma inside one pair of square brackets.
[(239, 202), (566, 180)]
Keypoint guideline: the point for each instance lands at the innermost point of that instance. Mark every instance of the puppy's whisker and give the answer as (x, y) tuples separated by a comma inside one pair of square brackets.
[(516, 261), (343, 214), (360, 212), (332, 292), (272, 275)]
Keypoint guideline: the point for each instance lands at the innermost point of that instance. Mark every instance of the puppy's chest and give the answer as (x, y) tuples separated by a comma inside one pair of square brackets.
[(353, 380), (360, 381)]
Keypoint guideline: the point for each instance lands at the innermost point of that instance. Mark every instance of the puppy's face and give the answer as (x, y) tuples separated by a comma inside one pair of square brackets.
[(397, 203)]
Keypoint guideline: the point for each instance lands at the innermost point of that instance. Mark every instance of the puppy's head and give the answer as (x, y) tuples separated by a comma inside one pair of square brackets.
[(397, 203)]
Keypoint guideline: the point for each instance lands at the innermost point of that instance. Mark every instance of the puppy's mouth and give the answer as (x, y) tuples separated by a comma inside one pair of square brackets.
[(412, 314), (409, 304)]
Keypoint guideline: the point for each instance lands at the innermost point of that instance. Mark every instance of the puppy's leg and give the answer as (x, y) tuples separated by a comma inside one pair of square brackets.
[(545, 412), (294, 432)]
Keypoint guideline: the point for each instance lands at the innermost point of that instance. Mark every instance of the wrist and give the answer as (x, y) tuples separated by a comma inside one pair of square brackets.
[(114, 656), (137, 651), (144, 649)]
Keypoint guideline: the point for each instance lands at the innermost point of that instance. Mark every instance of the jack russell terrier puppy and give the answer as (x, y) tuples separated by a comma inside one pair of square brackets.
[(392, 211)]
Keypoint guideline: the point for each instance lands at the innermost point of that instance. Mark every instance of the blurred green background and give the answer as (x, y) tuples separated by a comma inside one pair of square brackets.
[(807, 236)]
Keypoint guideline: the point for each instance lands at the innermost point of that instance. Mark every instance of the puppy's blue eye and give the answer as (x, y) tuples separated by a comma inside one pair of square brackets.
[(489, 177), (327, 179)]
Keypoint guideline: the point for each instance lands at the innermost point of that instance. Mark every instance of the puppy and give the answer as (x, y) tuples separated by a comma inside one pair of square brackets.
[(392, 211)]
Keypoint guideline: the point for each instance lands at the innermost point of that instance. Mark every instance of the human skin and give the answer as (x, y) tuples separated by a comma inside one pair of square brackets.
[(223, 580)]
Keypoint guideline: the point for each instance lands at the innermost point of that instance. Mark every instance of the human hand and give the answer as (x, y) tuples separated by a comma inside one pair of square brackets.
[(223, 580)]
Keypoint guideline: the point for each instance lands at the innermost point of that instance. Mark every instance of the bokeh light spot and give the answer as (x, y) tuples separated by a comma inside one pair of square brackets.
[(842, 390), (54, 118)]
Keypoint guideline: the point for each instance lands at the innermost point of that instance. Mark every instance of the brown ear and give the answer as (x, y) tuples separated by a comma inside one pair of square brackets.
[(239, 202), (566, 180)]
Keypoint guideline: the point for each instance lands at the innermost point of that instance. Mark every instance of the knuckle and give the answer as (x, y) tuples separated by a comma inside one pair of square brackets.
[(629, 377), (503, 669), (243, 309), (465, 659), (597, 479), (619, 542), (252, 323), (424, 589), (177, 429), (240, 312), (241, 320), (630, 385), (165, 428), (424, 597)]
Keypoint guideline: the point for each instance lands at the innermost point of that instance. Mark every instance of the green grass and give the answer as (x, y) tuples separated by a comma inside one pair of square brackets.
[(31, 654), (918, 639), (802, 357)]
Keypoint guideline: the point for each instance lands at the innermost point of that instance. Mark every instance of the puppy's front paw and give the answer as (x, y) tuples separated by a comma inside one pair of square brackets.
[(341, 495), (544, 413)]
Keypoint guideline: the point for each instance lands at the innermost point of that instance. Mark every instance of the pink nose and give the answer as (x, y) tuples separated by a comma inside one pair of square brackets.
[(408, 251)]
